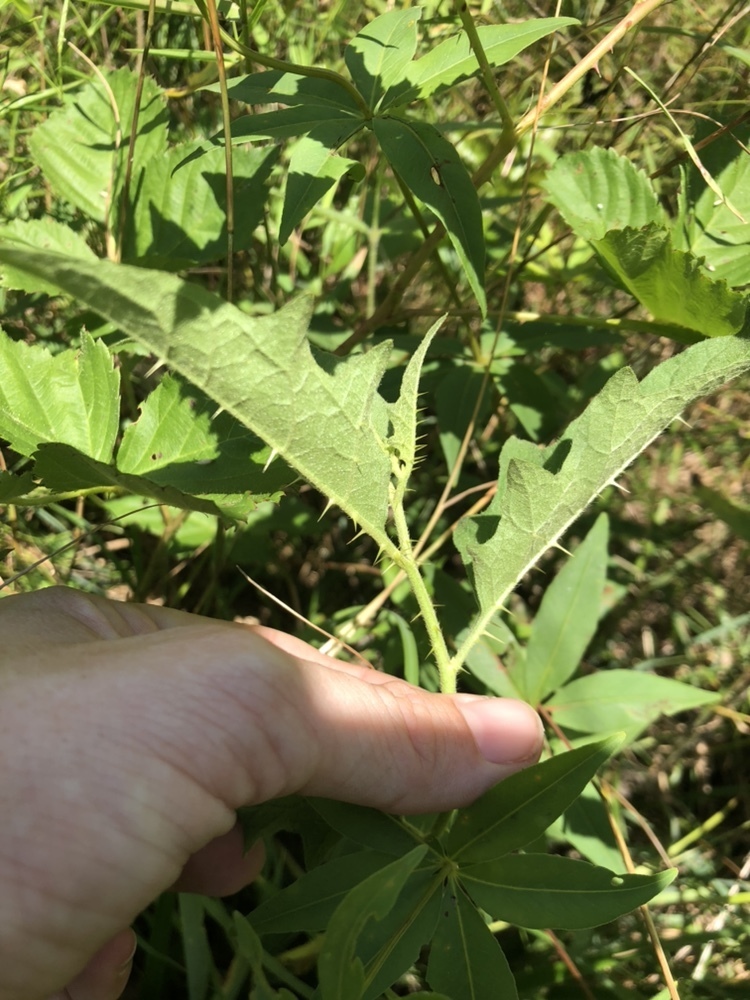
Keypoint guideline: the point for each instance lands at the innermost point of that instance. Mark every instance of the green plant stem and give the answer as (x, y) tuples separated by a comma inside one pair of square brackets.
[(467, 21), (405, 560)]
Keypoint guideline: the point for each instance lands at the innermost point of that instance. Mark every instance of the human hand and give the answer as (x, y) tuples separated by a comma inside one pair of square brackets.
[(130, 734)]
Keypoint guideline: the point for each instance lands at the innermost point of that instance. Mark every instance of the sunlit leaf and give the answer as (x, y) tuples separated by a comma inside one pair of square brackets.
[(671, 283), (378, 55), (314, 169), (453, 60), (541, 492), (596, 190), (275, 87), (70, 397), (622, 699), (522, 806), (544, 890)]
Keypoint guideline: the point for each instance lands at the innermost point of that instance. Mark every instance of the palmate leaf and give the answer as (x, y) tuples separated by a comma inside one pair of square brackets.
[(453, 60), (342, 973), (314, 169), (432, 170), (671, 283), (289, 122), (521, 807), (540, 493), (72, 397), (566, 620), (378, 55), (544, 890), (275, 87), (365, 826), (616, 699), (323, 415), (466, 961)]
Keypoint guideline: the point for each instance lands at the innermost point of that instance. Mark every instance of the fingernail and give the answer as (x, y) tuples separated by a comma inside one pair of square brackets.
[(505, 731), (124, 969)]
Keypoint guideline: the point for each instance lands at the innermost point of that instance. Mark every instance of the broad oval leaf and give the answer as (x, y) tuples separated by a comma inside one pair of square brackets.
[(544, 890), (521, 807), (596, 190), (432, 170)]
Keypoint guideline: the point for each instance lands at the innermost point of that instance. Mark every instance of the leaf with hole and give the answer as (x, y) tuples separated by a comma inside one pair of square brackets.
[(432, 170)]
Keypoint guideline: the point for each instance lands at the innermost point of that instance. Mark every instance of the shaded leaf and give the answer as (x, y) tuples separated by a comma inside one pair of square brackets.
[(314, 169), (42, 234), (378, 55), (596, 190), (431, 168), (567, 619), (179, 215), (736, 515), (276, 87), (586, 826), (466, 961), (543, 890), (341, 973), (14, 488), (366, 826), (521, 807), (71, 397), (308, 903), (622, 699)]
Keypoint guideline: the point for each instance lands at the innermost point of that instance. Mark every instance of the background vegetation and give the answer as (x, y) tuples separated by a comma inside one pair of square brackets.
[(558, 323)]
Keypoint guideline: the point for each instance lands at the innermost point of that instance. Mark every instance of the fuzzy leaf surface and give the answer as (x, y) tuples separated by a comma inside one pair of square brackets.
[(453, 60), (597, 190), (621, 700), (82, 147), (323, 415), (71, 397), (341, 971), (379, 54), (566, 621), (522, 806), (544, 890), (671, 283), (432, 170), (40, 234), (540, 493), (179, 213), (465, 958)]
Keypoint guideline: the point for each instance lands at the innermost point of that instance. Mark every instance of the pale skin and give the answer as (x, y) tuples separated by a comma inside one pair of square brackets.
[(129, 734)]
